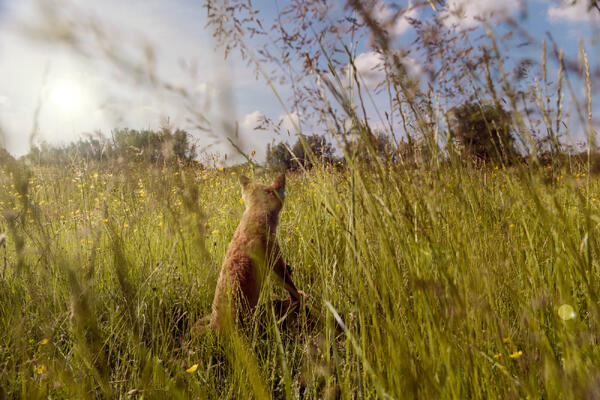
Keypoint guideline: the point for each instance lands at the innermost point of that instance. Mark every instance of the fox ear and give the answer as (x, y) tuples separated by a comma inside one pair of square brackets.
[(244, 181), (279, 182)]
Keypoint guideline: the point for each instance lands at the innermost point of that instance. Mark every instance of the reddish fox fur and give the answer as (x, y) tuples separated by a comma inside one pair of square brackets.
[(252, 253)]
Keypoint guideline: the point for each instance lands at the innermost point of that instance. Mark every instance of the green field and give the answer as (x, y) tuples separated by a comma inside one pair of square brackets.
[(449, 282), (442, 203)]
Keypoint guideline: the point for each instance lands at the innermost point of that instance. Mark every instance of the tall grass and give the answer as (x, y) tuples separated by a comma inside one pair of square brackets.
[(449, 283)]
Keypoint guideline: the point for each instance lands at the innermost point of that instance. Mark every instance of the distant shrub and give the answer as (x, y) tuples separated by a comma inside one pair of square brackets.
[(5, 156), (368, 146), (279, 157), (315, 148), (483, 130), (154, 146)]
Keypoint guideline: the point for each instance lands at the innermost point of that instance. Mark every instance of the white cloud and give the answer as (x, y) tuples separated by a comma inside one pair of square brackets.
[(385, 15), (251, 120), (413, 67), (252, 142), (290, 123), (251, 139), (464, 14), (370, 68), (206, 89), (573, 12)]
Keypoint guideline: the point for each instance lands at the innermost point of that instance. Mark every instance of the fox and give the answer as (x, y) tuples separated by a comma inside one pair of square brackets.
[(253, 253)]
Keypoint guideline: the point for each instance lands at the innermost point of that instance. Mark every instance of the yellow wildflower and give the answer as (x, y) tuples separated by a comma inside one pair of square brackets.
[(192, 369), (516, 354)]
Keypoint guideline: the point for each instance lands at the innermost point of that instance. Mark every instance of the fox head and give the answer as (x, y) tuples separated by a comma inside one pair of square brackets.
[(265, 198)]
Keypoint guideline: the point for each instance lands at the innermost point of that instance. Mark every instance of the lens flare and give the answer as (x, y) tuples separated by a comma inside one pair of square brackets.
[(566, 312)]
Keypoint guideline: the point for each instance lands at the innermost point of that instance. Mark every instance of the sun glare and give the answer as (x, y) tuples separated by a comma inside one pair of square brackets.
[(67, 96)]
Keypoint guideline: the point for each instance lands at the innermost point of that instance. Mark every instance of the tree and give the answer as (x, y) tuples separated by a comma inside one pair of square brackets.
[(483, 130), (182, 148), (153, 146), (161, 146), (368, 145), (279, 157), (5, 156), (315, 146)]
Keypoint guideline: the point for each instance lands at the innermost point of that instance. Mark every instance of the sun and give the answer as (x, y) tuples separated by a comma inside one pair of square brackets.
[(67, 96)]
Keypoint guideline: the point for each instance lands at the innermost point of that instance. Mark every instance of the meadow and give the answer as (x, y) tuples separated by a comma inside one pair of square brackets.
[(442, 218), (451, 282)]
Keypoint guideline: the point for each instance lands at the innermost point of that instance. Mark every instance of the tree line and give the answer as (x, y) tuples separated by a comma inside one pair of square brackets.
[(478, 132), (162, 146)]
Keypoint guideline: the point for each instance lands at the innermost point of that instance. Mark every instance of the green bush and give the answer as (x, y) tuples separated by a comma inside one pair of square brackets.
[(302, 154), (483, 131)]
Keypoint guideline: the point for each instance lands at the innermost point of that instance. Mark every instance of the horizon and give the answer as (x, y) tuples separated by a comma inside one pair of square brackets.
[(58, 91)]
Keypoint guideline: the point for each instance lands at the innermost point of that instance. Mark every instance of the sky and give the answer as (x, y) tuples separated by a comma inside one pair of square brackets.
[(59, 94)]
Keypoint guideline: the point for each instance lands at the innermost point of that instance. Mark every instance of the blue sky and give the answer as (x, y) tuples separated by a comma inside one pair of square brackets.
[(87, 93)]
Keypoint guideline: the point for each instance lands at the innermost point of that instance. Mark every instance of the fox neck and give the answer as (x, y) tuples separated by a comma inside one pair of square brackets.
[(261, 222)]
